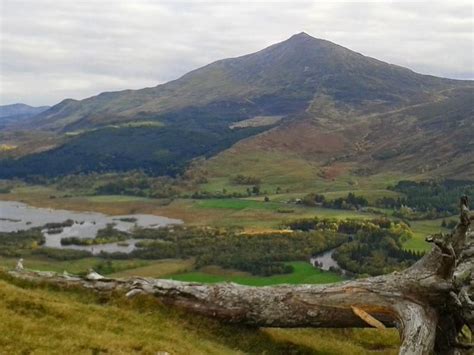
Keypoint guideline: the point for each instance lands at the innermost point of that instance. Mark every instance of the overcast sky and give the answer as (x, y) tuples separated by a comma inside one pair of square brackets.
[(56, 49)]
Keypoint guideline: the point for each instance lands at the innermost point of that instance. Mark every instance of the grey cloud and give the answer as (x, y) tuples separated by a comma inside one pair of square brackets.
[(51, 50)]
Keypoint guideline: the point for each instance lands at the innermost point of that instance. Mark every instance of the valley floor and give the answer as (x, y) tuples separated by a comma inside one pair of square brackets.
[(250, 214)]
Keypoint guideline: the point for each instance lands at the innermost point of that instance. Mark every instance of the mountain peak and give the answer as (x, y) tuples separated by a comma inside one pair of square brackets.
[(301, 35), (303, 39)]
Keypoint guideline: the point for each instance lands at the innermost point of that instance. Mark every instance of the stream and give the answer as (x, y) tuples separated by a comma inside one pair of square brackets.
[(325, 262)]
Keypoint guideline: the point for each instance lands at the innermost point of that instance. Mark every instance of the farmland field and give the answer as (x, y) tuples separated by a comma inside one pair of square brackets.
[(304, 273), (421, 229)]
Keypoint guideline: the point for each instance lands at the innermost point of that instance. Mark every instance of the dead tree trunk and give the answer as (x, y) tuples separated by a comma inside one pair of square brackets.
[(429, 303)]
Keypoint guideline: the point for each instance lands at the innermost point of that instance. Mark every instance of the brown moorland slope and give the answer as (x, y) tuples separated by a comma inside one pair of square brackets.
[(430, 140)]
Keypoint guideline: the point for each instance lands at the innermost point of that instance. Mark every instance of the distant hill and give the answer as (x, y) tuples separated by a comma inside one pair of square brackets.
[(15, 113), (300, 91)]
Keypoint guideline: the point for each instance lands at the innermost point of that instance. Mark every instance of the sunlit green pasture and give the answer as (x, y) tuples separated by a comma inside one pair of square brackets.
[(304, 273), (421, 229)]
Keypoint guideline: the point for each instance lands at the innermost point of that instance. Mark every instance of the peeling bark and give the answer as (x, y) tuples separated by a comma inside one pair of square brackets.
[(429, 302)]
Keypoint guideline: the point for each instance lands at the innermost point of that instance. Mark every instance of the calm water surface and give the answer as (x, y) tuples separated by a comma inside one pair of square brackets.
[(326, 261), (15, 216)]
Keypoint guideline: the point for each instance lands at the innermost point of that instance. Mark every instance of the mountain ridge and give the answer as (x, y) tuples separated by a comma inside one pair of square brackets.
[(290, 72)]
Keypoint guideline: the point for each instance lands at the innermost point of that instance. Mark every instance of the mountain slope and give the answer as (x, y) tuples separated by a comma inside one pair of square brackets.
[(281, 79), (434, 139)]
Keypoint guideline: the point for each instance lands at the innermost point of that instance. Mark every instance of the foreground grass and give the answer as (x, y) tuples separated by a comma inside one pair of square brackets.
[(79, 266), (43, 320), (50, 322), (304, 273)]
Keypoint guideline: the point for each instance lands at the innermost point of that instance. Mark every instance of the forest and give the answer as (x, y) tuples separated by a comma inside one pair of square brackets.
[(159, 151), (349, 202), (429, 199)]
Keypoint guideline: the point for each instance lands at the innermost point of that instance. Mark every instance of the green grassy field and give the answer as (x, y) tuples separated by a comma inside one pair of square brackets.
[(421, 229), (237, 204), (254, 213), (259, 205), (117, 199), (304, 273)]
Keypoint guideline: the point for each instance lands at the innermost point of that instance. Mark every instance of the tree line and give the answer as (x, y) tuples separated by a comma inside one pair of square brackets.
[(349, 202)]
